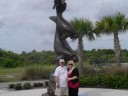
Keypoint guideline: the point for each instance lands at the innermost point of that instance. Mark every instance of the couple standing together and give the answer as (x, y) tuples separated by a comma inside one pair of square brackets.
[(67, 80)]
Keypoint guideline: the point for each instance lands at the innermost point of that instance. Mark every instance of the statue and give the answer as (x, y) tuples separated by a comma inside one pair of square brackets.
[(63, 30)]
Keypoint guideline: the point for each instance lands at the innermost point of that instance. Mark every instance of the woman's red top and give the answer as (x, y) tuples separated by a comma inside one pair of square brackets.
[(70, 84)]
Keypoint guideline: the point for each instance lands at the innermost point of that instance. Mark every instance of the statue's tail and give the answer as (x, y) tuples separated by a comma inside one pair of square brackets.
[(53, 18)]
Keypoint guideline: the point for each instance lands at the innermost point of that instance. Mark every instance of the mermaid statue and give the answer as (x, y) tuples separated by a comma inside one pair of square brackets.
[(63, 30)]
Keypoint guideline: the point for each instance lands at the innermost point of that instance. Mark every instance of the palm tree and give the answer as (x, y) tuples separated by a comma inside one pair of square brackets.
[(83, 27), (113, 25)]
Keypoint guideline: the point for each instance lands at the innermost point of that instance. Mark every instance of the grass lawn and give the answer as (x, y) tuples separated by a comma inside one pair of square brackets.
[(6, 71), (10, 74)]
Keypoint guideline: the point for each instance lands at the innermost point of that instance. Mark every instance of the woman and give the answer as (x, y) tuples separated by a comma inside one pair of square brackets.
[(73, 79)]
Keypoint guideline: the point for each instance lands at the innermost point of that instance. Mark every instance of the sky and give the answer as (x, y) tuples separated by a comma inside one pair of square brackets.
[(25, 24)]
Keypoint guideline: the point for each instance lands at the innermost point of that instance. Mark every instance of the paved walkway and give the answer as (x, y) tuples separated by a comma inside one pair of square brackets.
[(82, 92), (4, 91)]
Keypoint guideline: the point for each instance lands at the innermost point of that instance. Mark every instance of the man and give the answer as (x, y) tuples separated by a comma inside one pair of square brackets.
[(61, 79)]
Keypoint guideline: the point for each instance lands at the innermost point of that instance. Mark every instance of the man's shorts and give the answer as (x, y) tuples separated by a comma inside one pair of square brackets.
[(61, 91)]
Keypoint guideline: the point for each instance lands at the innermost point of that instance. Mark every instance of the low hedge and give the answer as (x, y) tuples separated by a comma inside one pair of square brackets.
[(27, 86), (38, 84), (105, 81), (11, 86), (19, 86)]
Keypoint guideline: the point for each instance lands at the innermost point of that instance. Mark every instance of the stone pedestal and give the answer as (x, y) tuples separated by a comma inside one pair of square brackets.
[(50, 87)]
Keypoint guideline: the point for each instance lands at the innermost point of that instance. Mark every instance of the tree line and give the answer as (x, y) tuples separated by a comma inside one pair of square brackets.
[(10, 59)]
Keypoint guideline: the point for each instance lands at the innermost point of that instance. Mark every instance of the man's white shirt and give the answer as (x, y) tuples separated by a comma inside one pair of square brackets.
[(61, 72)]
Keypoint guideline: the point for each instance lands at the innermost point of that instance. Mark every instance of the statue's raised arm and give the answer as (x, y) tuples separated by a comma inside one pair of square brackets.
[(56, 2)]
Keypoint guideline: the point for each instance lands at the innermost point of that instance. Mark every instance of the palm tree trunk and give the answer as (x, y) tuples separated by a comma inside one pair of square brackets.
[(80, 55), (117, 49)]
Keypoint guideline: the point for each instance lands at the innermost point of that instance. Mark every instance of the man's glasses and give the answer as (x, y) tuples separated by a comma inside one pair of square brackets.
[(70, 64)]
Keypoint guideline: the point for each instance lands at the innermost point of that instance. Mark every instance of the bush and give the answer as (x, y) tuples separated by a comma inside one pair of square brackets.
[(9, 63), (11, 85), (108, 77), (115, 70), (37, 84), (40, 84), (27, 86), (18, 86), (89, 70), (37, 72), (105, 80)]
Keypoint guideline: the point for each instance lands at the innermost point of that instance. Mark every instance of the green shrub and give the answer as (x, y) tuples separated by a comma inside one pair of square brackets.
[(37, 72), (11, 85), (27, 86), (40, 84), (37, 84), (105, 80), (89, 70), (9, 63), (18, 86), (116, 70)]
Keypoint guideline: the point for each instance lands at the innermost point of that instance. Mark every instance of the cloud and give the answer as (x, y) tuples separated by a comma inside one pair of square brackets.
[(25, 24), (111, 7)]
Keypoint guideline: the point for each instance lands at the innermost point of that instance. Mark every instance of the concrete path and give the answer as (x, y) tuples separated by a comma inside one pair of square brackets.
[(82, 92), (102, 92)]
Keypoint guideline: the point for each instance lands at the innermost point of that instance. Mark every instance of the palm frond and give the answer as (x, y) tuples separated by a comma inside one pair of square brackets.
[(110, 24), (84, 27)]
